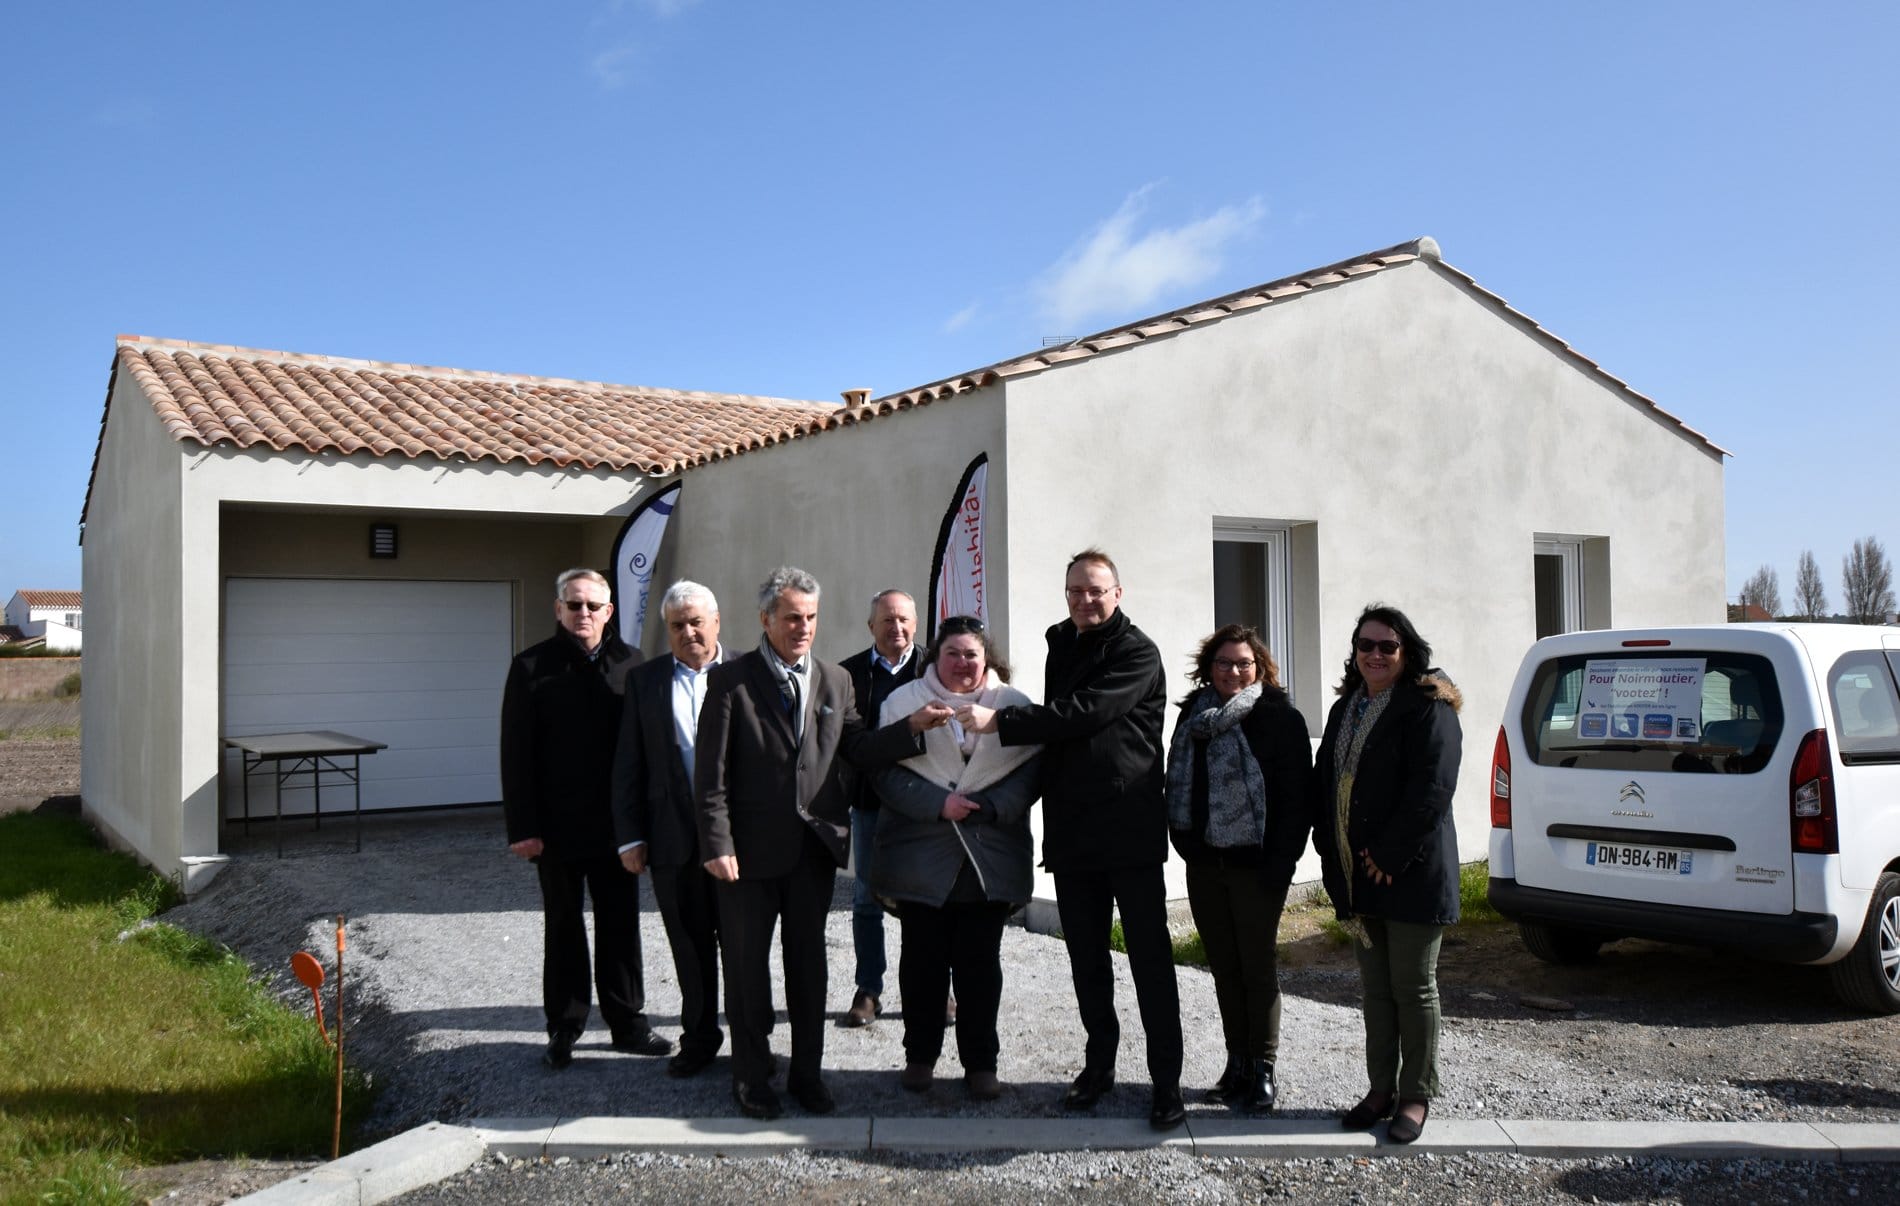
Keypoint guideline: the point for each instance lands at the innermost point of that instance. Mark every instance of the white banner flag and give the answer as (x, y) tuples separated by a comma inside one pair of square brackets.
[(956, 578), (635, 550)]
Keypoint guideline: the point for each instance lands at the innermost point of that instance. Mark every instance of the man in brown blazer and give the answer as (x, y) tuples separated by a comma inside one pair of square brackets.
[(774, 811)]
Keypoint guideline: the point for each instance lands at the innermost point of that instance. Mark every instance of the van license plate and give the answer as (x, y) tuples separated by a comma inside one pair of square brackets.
[(1613, 856)]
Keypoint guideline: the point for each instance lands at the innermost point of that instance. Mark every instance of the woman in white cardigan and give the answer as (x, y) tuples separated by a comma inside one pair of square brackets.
[(954, 851)]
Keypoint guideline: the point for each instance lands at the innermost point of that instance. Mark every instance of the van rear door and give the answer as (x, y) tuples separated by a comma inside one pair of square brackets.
[(1651, 775)]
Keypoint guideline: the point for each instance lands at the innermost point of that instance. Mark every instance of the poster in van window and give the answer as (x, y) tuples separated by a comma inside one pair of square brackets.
[(1641, 699)]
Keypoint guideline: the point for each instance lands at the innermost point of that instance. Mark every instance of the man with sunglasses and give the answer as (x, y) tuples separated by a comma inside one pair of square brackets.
[(560, 717)]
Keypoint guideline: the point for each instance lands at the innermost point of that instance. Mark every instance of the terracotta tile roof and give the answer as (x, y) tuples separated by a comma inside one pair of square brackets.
[(9, 634), (50, 598), (218, 395), (1273, 293)]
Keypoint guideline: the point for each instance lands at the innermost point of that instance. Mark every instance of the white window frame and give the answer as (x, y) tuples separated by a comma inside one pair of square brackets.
[(1570, 555), (1279, 592)]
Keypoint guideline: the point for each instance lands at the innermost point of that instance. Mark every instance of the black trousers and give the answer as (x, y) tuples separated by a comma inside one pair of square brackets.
[(1237, 911), (963, 939), (566, 885), (1085, 902), (691, 913), (749, 909)]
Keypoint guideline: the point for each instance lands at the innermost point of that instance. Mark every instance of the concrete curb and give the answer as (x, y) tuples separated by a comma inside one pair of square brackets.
[(435, 1151), (411, 1160)]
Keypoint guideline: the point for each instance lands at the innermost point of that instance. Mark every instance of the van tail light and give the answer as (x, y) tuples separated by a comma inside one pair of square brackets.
[(1810, 798), (1501, 783)]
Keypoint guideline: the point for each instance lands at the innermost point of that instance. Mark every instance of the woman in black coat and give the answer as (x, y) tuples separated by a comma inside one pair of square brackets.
[(1383, 784), (1237, 813)]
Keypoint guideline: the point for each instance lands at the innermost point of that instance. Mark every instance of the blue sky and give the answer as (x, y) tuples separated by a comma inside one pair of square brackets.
[(796, 199)]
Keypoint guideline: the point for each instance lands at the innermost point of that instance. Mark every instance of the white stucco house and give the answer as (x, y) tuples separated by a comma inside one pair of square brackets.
[(1380, 429), (52, 619)]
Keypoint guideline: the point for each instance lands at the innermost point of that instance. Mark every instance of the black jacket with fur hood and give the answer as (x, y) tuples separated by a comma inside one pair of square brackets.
[(1401, 807)]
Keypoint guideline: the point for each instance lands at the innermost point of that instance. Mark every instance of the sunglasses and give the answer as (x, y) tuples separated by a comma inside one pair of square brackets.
[(1367, 645), (961, 626), (577, 604)]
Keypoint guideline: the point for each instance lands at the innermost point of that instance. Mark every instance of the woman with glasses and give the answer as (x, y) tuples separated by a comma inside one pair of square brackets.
[(954, 851), (1385, 774), (1238, 767)]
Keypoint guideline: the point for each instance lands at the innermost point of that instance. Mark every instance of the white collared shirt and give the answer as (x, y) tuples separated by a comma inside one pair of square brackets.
[(689, 695)]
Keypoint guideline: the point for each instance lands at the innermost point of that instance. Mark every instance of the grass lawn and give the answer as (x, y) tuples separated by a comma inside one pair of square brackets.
[(126, 1043)]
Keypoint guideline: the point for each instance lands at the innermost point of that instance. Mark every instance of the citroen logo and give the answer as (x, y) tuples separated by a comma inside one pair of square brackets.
[(1631, 791)]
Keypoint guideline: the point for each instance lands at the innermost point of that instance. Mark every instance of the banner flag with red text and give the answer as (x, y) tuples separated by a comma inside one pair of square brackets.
[(956, 576)]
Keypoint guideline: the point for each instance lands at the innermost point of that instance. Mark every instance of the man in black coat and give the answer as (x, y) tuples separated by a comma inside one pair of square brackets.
[(891, 661), (560, 715), (653, 809), (1105, 823)]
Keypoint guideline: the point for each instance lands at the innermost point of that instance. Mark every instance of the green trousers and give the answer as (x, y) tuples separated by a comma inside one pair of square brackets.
[(1398, 974)]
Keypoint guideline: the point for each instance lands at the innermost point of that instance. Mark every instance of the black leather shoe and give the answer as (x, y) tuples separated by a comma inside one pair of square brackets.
[(1167, 1110), (689, 1063), (1371, 1108), (560, 1052), (1230, 1081), (812, 1095), (756, 1101), (642, 1042), (1087, 1089), (1256, 1092), (1407, 1125)]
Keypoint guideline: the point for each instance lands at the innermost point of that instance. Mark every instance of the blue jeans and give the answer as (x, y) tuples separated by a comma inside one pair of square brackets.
[(867, 916)]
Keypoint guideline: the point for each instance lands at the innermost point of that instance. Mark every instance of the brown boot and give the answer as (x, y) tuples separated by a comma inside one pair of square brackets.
[(864, 1010)]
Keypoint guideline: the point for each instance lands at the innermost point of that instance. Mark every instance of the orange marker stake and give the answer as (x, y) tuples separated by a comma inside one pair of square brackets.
[(310, 974)]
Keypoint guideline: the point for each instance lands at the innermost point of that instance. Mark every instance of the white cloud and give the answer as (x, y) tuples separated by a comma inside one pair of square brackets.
[(1119, 269), (961, 319), (613, 67)]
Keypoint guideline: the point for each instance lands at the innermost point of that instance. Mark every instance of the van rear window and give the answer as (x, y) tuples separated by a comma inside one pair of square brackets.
[(1631, 710)]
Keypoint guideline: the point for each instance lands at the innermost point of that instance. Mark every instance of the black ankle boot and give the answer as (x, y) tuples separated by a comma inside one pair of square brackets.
[(1231, 1082), (1257, 1093)]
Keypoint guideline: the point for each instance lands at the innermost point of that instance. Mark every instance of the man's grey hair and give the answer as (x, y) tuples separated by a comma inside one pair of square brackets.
[(780, 580), (579, 575), (683, 592), (886, 593)]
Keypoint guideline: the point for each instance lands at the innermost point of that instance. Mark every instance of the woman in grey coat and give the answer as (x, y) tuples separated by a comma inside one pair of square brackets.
[(954, 851)]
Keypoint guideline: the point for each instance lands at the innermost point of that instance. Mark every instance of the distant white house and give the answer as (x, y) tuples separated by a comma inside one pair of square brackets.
[(50, 618)]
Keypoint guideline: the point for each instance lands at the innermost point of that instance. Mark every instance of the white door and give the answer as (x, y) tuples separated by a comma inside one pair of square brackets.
[(418, 665)]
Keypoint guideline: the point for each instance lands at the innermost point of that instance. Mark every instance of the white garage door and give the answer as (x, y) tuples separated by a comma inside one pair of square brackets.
[(418, 665)]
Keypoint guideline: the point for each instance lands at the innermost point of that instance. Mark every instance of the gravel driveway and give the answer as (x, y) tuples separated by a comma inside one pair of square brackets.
[(444, 958)]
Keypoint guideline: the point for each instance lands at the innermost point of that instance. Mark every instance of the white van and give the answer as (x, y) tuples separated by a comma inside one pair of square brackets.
[(1733, 786)]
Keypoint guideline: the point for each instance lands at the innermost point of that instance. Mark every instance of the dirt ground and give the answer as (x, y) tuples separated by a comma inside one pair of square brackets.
[(1703, 1017)]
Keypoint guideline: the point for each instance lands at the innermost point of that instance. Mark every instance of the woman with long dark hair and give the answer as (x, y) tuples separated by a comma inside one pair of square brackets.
[(1238, 767), (1382, 822)]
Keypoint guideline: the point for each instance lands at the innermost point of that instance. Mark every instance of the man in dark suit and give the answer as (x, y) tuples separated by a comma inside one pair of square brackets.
[(771, 786), (890, 662), (560, 714), (1104, 823), (653, 809)]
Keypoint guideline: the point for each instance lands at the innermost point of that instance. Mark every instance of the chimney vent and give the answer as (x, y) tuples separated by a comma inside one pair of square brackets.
[(856, 397)]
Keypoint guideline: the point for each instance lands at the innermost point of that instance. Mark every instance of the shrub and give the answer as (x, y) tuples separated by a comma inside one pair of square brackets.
[(67, 687)]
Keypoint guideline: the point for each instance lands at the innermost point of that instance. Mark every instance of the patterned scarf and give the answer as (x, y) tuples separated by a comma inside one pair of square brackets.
[(1236, 790), (1362, 714)]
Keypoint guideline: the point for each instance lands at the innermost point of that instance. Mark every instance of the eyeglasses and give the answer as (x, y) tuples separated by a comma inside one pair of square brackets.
[(1367, 645), (1091, 593), (577, 604), (1240, 667)]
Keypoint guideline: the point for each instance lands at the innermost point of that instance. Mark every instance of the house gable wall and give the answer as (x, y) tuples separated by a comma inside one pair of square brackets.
[(137, 638), (1425, 437)]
